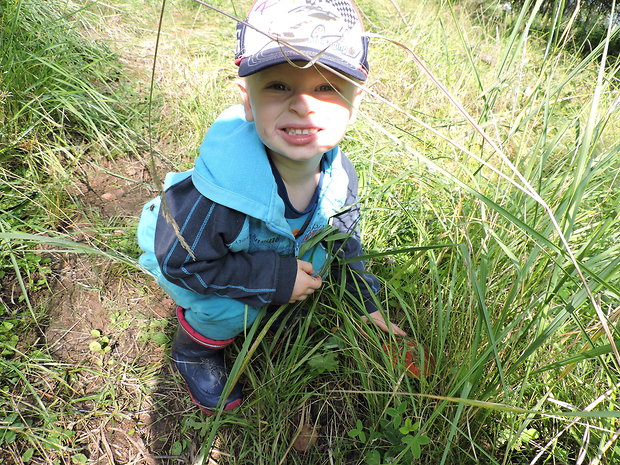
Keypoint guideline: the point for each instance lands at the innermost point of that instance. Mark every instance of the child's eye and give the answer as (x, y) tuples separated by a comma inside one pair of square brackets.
[(325, 88), (277, 86)]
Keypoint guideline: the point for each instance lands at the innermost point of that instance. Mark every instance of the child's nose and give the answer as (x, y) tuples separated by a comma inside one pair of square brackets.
[(302, 103)]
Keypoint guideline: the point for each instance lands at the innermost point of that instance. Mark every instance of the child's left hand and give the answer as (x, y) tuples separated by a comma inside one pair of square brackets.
[(385, 325)]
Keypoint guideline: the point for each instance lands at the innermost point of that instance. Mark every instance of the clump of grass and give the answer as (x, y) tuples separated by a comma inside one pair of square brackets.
[(63, 89)]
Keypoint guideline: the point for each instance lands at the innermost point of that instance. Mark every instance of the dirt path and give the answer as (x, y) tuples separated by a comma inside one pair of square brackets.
[(113, 325)]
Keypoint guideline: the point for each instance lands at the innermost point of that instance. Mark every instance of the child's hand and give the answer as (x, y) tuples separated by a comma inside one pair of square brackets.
[(385, 325), (305, 283)]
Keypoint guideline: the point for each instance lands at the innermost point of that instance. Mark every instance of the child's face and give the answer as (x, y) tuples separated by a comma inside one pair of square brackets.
[(299, 113)]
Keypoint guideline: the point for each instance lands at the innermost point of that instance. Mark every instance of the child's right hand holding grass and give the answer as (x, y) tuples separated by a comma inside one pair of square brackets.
[(306, 281)]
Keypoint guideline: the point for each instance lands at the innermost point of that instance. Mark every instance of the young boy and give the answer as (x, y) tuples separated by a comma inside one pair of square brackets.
[(269, 177)]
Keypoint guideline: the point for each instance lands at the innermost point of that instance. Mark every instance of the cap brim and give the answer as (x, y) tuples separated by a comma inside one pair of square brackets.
[(275, 56)]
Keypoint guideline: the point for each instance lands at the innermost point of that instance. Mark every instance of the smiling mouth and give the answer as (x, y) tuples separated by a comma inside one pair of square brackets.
[(300, 132)]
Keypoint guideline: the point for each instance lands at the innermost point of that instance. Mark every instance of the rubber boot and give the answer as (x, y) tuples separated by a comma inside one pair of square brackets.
[(201, 363)]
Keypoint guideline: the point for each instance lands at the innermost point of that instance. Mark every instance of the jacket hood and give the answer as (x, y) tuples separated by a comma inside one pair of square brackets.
[(232, 169)]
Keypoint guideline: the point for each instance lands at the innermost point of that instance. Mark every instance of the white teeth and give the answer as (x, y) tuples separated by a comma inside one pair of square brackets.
[(300, 132)]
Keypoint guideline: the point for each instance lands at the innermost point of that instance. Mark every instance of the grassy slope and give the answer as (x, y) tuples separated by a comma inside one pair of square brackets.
[(517, 340)]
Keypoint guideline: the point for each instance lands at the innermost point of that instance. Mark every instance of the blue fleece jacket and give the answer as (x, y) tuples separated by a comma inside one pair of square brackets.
[(229, 213)]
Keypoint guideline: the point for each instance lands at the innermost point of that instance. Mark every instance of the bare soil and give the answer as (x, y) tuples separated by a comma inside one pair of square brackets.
[(115, 324)]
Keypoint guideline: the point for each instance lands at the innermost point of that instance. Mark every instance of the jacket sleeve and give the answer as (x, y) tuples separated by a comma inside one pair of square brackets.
[(359, 283), (257, 278)]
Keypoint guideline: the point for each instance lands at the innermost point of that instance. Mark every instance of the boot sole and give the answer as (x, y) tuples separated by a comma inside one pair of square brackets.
[(229, 406)]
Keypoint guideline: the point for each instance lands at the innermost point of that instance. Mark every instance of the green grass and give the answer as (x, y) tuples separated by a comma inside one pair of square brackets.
[(490, 191), (62, 98)]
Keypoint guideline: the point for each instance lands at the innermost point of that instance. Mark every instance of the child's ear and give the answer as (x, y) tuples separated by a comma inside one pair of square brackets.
[(245, 99), (357, 100)]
